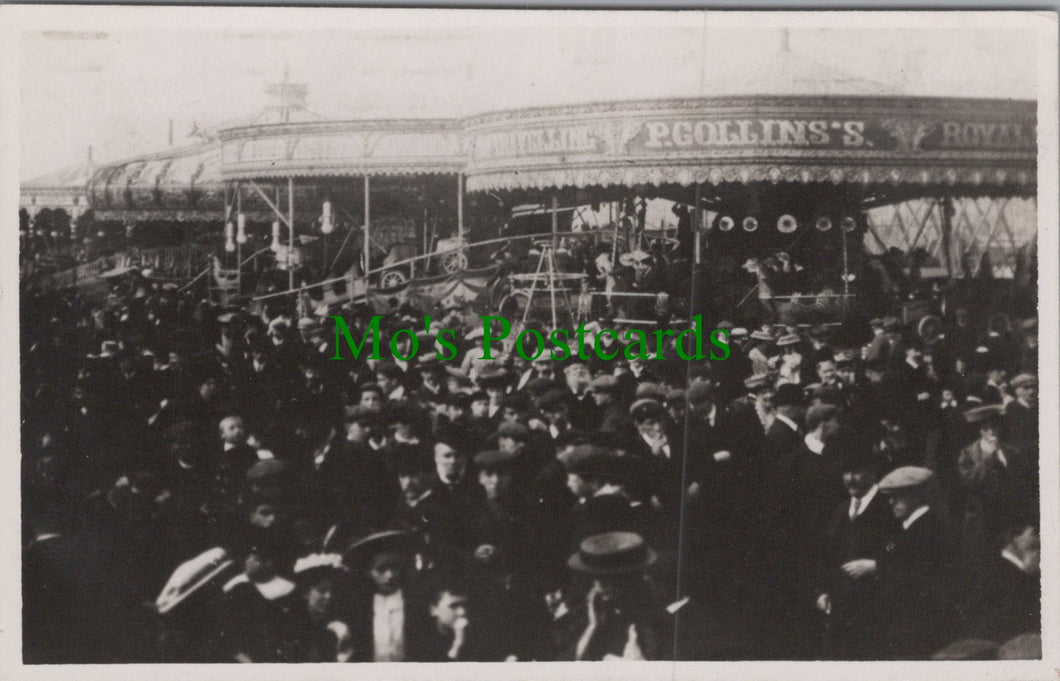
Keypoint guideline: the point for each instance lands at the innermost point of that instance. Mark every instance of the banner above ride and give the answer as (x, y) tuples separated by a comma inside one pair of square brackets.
[(978, 146)]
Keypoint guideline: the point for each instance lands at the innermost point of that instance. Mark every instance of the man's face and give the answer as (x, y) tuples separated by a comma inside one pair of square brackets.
[(263, 516), (543, 368), (450, 464), (258, 568), (1027, 393), (413, 484), (577, 378), (318, 598), (232, 431), (826, 372), (507, 444), (764, 399), (386, 571), (357, 431), (495, 483), (449, 609), (385, 382), (903, 504), (578, 486), (510, 415), (208, 388), (650, 427), (371, 399), (556, 415), (858, 481), (601, 398), (828, 428), (702, 408), (1028, 545), (988, 432), (480, 408), (996, 376)]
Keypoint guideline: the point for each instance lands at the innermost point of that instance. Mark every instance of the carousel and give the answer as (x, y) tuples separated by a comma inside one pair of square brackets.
[(789, 208)]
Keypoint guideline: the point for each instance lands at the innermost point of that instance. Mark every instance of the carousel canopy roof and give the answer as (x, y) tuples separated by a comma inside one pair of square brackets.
[(920, 144), (181, 182), (343, 148), (63, 188)]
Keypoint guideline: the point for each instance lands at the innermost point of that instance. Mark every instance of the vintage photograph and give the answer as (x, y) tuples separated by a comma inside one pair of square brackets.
[(529, 336)]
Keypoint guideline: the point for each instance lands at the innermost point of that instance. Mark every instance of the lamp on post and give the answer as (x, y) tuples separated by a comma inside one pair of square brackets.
[(327, 226), (275, 245), (230, 234)]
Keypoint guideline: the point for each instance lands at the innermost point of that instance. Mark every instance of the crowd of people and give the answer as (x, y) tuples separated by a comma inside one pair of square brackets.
[(204, 483)]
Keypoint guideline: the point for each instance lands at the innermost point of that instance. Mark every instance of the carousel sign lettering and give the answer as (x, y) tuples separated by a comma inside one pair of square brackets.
[(746, 132), (566, 139)]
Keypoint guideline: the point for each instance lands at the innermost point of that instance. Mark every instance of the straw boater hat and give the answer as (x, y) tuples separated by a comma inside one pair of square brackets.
[(612, 553), (316, 566), (361, 550), (193, 576), (788, 339)]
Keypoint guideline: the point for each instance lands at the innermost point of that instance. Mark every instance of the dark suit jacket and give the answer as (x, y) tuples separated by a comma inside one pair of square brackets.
[(912, 601), (853, 614), (1003, 602)]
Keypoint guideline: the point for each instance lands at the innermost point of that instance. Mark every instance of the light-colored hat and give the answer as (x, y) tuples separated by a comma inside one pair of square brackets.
[(905, 477)]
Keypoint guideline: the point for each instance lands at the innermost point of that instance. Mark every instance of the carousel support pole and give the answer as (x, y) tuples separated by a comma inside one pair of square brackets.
[(946, 208), (239, 245), (846, 269), (555, 220), (697, 218), (290, 233), (367, 230), (460, 206)]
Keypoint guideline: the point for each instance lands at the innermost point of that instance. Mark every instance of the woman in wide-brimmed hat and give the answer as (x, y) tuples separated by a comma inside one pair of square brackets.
[(619, 617)]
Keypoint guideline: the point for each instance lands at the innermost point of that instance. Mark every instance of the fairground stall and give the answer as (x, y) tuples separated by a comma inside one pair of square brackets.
[(805, 209)]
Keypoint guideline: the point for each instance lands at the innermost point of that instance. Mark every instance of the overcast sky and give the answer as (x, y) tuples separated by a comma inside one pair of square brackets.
[(117, 90)]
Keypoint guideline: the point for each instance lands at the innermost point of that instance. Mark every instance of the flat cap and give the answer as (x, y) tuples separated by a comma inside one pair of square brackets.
[(818, 414), (699, 392), (904, 478), (787, 394), (651, 391), (492, 458), (552, 398), (756, 381), (646, 408), (513, 430), (604, 383), (361, 413), (1022, 380), (675, 395), (983, 413)]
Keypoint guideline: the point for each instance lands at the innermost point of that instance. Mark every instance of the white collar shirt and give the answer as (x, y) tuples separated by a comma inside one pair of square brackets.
[(914, 516), (388, 627), (785, 420), (857, 506)]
